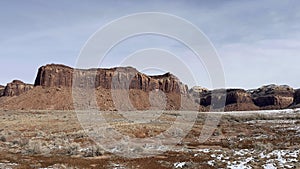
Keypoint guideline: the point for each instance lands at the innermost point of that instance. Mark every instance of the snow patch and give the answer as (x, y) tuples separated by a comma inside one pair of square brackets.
[(179, 164)]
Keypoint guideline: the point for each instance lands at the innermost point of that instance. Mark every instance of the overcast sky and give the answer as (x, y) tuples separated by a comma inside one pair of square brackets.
[(258, 41)]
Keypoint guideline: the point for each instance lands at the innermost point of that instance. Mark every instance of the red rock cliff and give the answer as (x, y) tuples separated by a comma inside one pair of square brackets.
[(114, 78), (16, 87)]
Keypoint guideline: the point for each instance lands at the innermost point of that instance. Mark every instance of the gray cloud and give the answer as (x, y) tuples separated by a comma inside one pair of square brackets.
[(258, 41)]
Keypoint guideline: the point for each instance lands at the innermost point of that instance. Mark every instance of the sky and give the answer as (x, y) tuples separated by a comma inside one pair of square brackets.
[(258, 41)]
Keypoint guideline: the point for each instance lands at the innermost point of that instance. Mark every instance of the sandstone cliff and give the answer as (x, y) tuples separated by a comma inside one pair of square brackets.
[(16, 87), (114, 78), (54, 83), (265, 97), (273, 96), (1, 90), (236, 99), (53, 90)]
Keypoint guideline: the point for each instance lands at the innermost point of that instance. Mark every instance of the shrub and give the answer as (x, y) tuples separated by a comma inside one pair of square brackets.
[(23, 142), (93, 151), (73, 148), (34, 147), (3, 138)]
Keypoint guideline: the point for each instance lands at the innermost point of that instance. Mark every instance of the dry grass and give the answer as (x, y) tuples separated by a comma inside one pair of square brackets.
[(34, 139)]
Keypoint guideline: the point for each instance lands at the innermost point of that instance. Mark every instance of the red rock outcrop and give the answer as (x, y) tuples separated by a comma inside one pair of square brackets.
[(236, 99), (239, 99), (54, 82), (196, 91), (16, 87), (2, 90), (54, 75), (273, 96), (111, 83)]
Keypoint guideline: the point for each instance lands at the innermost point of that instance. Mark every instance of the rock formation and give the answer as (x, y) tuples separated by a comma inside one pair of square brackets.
[(239, 99), (54, 75), (109, 81), (114, 78), (297, 96), (236, 99), (1, 90), (273, 96), (197, 90), (54, 89), (16, 87)]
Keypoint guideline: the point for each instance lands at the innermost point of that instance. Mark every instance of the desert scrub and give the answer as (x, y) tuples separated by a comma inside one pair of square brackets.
[(34, 147), (78, 134), (259, 146), (93, 151), (73, 149), (5, 135), (40, 134), (3, 138), (23, 142)]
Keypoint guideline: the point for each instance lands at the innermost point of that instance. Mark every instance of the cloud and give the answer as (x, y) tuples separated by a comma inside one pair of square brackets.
[(261, 62), (258, 41)]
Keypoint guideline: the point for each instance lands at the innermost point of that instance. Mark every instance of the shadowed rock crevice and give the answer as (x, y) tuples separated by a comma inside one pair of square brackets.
[(297, 96)]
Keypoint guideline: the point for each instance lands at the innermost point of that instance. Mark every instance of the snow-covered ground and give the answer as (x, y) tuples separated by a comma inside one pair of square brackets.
[(271, 112), (245, 158)]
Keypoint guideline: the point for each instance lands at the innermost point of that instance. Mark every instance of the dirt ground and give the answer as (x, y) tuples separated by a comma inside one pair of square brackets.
[(57, 139)]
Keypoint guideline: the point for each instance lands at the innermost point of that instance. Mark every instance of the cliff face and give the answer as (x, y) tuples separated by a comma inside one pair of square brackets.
[(265, 97), (54, 75), (56, 81), (236, 99), (115, 78), (15, 88), (2, 90), (53, 90), (297, 97), (273, 96)]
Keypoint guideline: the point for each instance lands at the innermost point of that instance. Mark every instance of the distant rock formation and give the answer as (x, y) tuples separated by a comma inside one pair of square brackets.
[(54, 75), (265, 97), (239, 99), (236, 99), (297, 96), (197, 90), (273, 96), (296, 102), (52, 89), (2, 90), (15, 88)]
